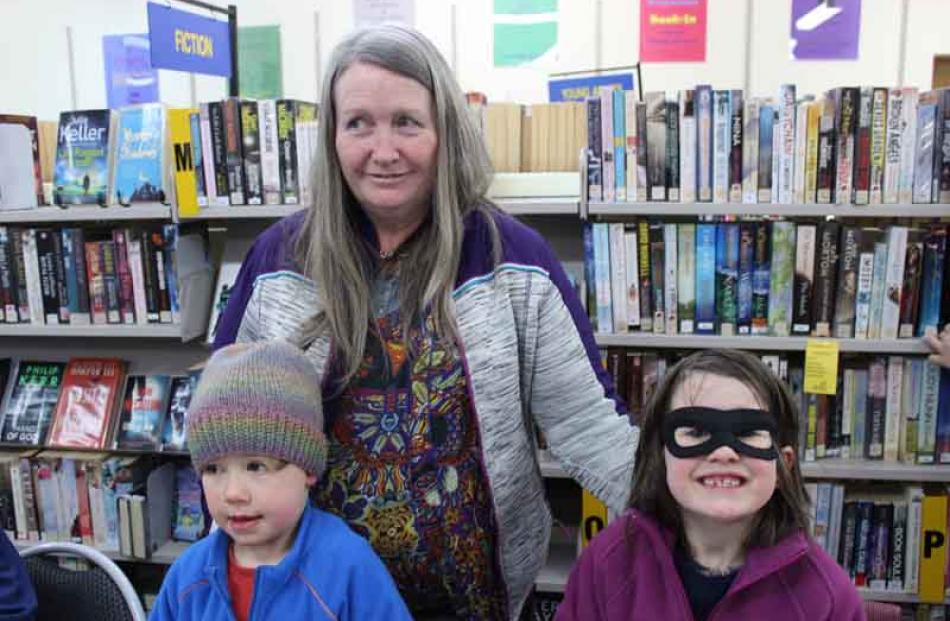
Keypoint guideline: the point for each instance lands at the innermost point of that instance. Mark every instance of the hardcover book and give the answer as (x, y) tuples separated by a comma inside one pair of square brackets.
[(86, 402), (140, 154), (142, 415), (32, 399), (83, 151)]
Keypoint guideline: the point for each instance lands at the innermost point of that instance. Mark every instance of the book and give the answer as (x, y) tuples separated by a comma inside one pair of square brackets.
[(847, 282), (251, 149), (760, 278), (829, 233), (910, 288), (766, 153), (781, 277), (16, 168), (803, 295), (704, 143), (705, 278), (893, 281), (721, 145), (184, 169), (140, 154), (845, 117), (31, 402), (893, 139), (933, 549), (142, 414), (181, 390), (83, 152), (878, 139), (750, 152), (189, 520), (86, 402), (233, 140), (862, 148), (736, 122)]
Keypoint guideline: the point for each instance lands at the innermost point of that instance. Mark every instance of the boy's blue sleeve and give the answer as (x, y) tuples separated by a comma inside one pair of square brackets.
[(17, 599), (164, 608), (371, 592)]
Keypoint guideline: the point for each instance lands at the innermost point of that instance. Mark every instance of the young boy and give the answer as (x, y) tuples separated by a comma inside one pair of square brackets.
[(255, 432)]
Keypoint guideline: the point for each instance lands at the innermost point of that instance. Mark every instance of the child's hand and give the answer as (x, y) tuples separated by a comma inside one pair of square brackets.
[(940, 346)]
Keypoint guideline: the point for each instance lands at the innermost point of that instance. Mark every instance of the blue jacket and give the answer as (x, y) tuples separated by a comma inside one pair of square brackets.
[(329, 573), (529, 357), (17, 600)]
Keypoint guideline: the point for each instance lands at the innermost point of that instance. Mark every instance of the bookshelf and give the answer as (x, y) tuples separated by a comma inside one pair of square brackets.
[(164, 555), (243, 212), (87, 213), (665, 209), (757, 343)]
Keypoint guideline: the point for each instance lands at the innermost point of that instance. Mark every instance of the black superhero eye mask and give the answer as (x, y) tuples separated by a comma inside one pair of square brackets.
[(695, 431)]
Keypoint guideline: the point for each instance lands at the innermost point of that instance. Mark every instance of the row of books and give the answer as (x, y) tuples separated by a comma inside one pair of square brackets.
[(243, 152), (81, 276), (865, 145), (884, 540), (125, 505), (531, 138), (92, 403), (890, 408), (767, 278)]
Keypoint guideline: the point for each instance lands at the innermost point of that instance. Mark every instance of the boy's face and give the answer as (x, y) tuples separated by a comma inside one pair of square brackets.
[(258, 501), (722, 486)]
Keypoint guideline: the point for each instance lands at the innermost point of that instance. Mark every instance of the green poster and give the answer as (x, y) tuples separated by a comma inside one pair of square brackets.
[(259, 69), (524, 30)]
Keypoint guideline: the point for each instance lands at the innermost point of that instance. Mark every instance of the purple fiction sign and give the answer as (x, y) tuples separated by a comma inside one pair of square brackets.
[(825, 30)]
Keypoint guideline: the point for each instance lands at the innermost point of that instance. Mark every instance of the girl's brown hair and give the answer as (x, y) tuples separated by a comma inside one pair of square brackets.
[(787, 510)]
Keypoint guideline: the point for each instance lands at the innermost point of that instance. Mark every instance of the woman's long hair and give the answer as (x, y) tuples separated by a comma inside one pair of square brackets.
[(331, 249), (787, 510)]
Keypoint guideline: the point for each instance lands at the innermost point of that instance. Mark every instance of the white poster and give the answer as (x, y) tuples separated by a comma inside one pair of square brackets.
[(371, 12)]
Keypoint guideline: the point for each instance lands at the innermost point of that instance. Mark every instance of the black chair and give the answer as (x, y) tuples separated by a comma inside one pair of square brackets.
[(97, 594)]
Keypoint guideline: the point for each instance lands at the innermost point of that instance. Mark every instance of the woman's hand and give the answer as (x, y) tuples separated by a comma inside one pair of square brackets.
[(940, 346)]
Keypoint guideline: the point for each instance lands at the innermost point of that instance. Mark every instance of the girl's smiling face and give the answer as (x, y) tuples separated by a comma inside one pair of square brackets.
[(722, 486)]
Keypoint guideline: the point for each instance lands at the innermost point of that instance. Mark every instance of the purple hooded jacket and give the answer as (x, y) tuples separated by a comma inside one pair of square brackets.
[(619, 580)]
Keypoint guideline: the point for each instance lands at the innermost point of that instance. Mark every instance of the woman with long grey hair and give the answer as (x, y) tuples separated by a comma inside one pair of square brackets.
[(446, 334)]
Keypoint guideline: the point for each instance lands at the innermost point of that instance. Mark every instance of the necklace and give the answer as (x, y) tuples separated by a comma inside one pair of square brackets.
[(386, 255)]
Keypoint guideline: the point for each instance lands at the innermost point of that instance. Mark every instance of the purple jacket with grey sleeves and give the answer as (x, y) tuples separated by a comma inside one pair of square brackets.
[(626, 575), (529, 357)]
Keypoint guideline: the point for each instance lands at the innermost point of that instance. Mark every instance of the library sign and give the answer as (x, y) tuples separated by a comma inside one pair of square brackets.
[(187, 42)]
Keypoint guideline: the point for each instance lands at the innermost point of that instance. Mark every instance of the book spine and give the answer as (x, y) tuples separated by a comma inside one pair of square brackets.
[(687, 148), (590, 282), (286, 138), (137, 276), (912, 386), (156, 246), (197, 153), (847, 284), (594, 171), (619, 145), (876, 408), (847, 405), (97, 291), (941, 119), (828, 235), (606, 144), (750, 152), (727, 269), (892, 407), (207, 155), (862, 148), (912, 561), (848, 527), (49, 288), (786, 138), (942, 448), (672, 152), (894, 279), (631, 275), (657, 274), (706, 278), (602, 277), (804, 279), (766, 127), (59, 275), (232, 144), (124, 275), (862, 300), (642, 173), (251, 152), (746, 268), (848, 102), (905, 191), (826, 150), (670, 278), (860, 418), (878, 139), (928, 414), (923, 170), (892, 144), (877, 290), (781, 277), (883, 517), (737, 108), (169, 250), (760, 279), (687, 277), (644, 271), (110, 280), (75, 276), (656, 146), (150, 279), (270, 157), (910, 289), (219, 151), (942, 194), (704, 143), (722, 145), (935, 256), (630, 144), (618, 277), (810, 175), (8, 301), (864, 540), (19, 270)]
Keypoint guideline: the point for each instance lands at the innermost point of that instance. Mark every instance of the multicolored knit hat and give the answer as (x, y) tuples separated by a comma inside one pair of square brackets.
[(258, 399)]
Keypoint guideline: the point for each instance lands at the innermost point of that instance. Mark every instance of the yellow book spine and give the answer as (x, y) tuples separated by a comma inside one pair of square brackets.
[(186, 192), (593, 517), (933, 549), (811, 155)]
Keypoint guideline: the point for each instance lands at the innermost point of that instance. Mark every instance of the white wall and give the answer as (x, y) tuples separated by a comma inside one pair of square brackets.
[(35, 77)]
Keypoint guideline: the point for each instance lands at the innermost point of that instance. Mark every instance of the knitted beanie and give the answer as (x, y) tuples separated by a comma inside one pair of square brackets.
[(258, 399)]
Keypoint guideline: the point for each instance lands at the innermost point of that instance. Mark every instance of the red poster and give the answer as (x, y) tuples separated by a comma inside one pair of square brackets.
[(672, 31)]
